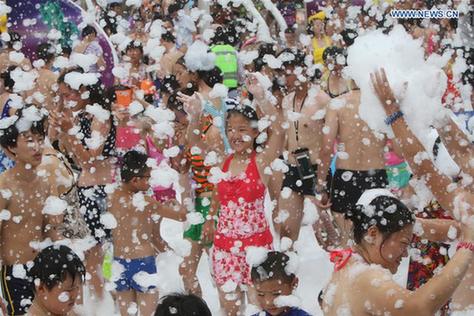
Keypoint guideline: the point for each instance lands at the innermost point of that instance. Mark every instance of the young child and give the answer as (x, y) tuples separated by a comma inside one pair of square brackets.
[(136, 233), (272, 281), (183, 305), (23, 200), (239, 197), (58, 275)]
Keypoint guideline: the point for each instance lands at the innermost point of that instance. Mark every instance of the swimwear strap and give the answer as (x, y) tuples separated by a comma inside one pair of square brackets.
[(465, 245), (262, 239), (340, 258)]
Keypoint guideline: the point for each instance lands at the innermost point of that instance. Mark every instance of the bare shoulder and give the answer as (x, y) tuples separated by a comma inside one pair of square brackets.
[(364, 276), (321, 97), (5, 180), (116, 202)]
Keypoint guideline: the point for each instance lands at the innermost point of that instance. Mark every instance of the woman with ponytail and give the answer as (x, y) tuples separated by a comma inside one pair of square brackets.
[(88, 136), (383, 228)]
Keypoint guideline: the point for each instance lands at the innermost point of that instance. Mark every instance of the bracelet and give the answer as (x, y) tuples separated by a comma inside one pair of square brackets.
[(465, 245), (393, 117)]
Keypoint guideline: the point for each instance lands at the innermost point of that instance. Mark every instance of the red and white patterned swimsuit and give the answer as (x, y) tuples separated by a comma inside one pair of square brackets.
[(241, 224)]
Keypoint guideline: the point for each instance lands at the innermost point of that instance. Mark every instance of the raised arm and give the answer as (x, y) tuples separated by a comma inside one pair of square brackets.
[(459, 146), (193, 107), (413, 150), (439, 230), (84, 154), (276, 135), (381, 295)]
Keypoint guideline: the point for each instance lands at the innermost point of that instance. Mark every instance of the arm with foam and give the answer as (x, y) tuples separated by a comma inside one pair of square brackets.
[(458, 145)]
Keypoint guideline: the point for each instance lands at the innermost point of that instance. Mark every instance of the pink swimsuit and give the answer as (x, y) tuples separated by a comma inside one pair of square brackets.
[(162, 194)]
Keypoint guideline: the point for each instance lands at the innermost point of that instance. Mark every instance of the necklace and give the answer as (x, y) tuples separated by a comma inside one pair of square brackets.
[(296, 123)]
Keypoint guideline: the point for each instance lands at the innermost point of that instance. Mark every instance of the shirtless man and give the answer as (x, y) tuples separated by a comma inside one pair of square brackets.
[(137, 233), (304, 108), (25, 221), (170, 56), (360, 160)]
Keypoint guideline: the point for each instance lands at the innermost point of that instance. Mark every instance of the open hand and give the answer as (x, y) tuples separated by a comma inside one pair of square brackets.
[(61, 122), (192, 104), (324, 202), (383, 90), (254, 87)]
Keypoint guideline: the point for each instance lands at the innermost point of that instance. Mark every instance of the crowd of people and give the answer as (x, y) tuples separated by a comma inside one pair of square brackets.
[(218, 114)]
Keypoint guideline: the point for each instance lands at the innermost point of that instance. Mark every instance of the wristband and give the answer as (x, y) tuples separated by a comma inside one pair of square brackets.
[(465, 245), (393, 117)]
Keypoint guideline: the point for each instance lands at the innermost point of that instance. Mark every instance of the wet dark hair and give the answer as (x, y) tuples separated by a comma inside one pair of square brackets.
[(176, 105), (134, 165), (220, 36), (8, 82), (168, 37), (225, 35), (332, 52), (88, 30), (273, 268), (9, 135), (211, 77), (114, 4), (309, 26), (97, 93), (244, 110), (181, 62), (134, 45), (54, 264), (182, 305), (349, 36), (46, 52), (298, 60), (468, 75), (173, 8), (66, 50), (264, 49), (14, 38), (247, 111), (169, 84), (387, 213), (317, 75)]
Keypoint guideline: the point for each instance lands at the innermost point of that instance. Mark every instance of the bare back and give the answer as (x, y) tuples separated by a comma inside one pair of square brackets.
[(341, 296), (44, 85), (134, 232), (359, 147)]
